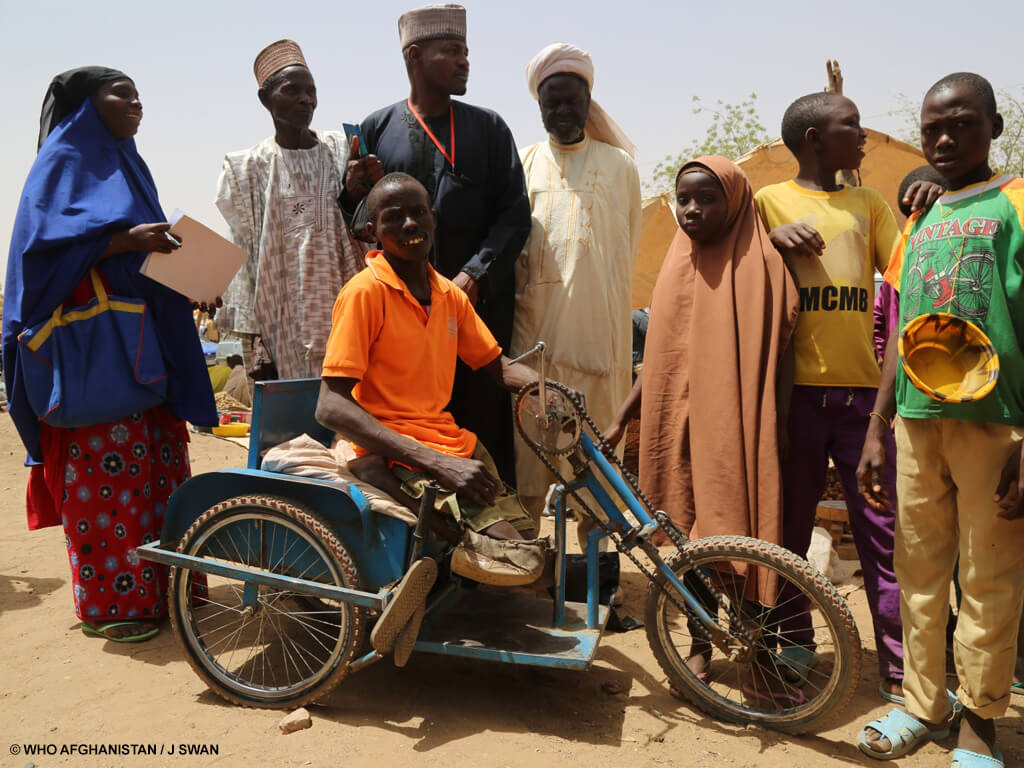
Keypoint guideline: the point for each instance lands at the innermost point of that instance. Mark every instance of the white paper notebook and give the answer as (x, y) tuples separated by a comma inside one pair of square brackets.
[(204, 265)]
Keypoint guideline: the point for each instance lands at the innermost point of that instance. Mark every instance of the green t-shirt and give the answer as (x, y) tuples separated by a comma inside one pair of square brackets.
[(983, 224)]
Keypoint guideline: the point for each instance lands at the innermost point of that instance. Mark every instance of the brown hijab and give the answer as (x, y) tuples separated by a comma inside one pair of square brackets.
[(721, 317)]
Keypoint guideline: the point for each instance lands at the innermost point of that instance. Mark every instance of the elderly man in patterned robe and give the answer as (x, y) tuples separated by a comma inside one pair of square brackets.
[(574, 277), (280, 199)]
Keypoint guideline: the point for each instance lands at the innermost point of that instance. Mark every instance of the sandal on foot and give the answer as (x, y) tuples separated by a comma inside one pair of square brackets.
[(407, 598), (964, 758), (892, 698), (904, 732), (1017, 688), (796, 661), (103, 630)]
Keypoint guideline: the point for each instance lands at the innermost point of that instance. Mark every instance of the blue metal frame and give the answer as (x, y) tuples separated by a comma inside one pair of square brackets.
[(254, 576), (380, 545)]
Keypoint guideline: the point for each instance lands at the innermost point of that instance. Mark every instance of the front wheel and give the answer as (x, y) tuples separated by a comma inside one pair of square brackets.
[(802, 659)]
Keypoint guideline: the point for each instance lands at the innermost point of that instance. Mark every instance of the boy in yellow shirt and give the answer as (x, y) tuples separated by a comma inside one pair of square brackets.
[(833, 238)]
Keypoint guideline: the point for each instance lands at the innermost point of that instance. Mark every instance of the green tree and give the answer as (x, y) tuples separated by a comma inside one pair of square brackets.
[(734, 130), (1007, 153)]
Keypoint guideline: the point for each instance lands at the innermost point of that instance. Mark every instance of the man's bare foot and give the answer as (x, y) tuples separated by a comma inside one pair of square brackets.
[(977, 734)]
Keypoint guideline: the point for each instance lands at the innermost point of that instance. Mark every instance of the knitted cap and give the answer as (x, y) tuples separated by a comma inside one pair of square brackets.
[(432, 22), (275, 57)]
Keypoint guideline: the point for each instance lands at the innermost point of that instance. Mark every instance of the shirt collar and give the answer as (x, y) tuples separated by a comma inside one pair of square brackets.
[(382, 271), (994, 181), (578, 146)]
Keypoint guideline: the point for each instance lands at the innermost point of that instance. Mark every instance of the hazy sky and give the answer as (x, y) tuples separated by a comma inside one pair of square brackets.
[(192, 62)]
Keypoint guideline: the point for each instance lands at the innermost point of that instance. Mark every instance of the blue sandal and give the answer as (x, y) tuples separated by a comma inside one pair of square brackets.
[(964, 758), (905, 732)]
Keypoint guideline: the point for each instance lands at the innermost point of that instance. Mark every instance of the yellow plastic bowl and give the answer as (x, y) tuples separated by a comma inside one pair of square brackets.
[(948, 358), (232, 430)]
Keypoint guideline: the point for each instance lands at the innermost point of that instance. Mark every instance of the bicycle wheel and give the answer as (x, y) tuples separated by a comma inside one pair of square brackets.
[(288, 649), (760, 685), (973, 285)]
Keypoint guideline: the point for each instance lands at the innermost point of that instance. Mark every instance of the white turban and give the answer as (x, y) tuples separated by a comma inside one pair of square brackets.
[(567, 59)]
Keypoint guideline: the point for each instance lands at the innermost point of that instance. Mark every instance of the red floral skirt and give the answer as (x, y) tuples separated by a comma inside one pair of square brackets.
[(108, 485)]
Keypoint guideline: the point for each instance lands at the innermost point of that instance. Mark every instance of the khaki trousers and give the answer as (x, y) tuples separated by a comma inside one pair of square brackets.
[(947, 473)]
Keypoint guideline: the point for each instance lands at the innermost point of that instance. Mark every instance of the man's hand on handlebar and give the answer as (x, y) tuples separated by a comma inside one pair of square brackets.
[(467, 477)]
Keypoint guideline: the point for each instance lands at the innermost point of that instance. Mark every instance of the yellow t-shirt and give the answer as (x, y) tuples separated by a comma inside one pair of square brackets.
[(832, 339)]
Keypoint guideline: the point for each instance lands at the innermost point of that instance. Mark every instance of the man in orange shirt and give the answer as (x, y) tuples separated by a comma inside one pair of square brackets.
[(396, 332), (397, 329)]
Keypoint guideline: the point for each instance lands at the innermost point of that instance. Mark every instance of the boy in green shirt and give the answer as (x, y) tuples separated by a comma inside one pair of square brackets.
[(958, 464)]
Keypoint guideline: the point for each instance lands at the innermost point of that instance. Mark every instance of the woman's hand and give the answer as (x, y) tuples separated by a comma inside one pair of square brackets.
[(143, 238), (153, 238)]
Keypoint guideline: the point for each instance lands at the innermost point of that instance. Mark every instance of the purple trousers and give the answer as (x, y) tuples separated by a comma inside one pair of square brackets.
[(832, 421)]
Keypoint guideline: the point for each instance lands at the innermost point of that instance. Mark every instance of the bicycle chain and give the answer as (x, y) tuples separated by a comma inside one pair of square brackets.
[(736, 626)]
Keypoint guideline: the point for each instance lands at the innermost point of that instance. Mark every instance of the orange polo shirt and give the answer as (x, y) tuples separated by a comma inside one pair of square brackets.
[(403, 357)]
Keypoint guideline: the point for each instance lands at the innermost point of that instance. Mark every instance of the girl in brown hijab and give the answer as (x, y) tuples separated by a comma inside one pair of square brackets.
[(722, 313)]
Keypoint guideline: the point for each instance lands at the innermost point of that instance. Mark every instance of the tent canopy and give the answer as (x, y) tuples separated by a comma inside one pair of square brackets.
[(886, 162)]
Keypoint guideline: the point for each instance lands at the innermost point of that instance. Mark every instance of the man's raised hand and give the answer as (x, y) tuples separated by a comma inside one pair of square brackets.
[(362, 173)]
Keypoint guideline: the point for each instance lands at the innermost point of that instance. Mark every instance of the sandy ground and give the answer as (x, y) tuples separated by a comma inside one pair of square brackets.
[(62, 688)]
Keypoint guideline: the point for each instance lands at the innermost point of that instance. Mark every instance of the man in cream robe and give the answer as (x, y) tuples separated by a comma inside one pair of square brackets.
[(574, 277)]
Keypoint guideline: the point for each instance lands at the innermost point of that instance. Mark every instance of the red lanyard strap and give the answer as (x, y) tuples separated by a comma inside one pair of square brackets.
[(451, 122)]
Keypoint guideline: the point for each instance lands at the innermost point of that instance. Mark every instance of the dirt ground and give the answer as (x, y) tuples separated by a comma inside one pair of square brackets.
[(62, 688)]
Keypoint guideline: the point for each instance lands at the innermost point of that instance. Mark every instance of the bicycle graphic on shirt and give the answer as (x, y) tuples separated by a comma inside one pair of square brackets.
[(967, 289)]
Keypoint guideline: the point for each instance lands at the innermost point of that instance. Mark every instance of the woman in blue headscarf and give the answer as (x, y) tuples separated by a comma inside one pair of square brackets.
[(90, 202)]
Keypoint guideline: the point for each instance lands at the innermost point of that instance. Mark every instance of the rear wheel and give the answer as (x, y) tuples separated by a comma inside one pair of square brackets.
[(280, 648), (780, 683)]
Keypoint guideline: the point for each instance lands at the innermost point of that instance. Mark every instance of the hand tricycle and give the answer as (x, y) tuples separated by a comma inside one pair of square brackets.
[(275, 579)]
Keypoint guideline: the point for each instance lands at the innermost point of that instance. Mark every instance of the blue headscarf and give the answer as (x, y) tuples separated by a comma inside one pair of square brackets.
[(84, 186)]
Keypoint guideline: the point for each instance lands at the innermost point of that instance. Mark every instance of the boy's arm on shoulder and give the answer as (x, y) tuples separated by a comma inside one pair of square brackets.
[(922, 194)]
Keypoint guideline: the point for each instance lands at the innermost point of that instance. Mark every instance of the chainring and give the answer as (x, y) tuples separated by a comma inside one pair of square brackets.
[(564, 420)]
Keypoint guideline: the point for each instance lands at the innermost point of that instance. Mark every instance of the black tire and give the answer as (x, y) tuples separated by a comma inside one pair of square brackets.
[(735, 691), (293, 648)]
